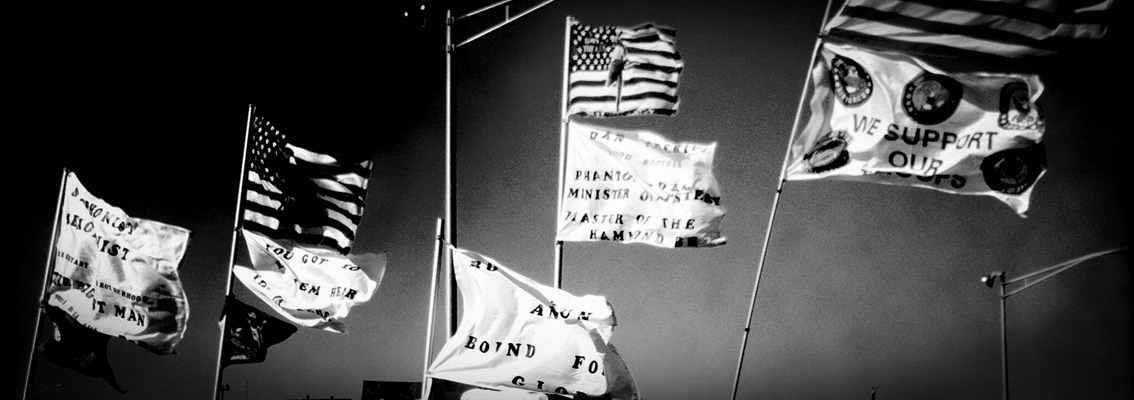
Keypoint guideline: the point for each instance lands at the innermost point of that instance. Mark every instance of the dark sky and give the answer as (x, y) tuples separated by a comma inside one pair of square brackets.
[(864, 284)]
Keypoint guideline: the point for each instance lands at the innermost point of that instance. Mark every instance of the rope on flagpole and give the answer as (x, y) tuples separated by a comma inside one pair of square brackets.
[(775, 204)]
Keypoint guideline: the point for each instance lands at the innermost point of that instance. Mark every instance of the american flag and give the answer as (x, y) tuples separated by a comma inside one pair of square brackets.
[(617, 71), (1009, 28), (293, 193)]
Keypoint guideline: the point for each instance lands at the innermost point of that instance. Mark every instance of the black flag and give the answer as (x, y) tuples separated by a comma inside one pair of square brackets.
[(248, 333), (77, 347)]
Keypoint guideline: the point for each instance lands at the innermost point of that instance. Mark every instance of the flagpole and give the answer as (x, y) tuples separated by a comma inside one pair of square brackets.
[(776, 201), (232, 250), (557, 279), (425, 382), (450, 182), (28, 379)]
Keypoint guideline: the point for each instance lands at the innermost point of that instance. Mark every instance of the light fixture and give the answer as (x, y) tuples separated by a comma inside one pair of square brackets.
[(990, 278)]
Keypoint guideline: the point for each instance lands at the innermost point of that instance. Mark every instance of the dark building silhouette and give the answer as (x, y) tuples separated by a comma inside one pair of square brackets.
[(386, 390)]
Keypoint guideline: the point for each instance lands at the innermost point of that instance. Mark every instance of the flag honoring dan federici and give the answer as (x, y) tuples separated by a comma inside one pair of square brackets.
[(890, 118), (636, 186), (301, 212), (518, 335), (118, 275)]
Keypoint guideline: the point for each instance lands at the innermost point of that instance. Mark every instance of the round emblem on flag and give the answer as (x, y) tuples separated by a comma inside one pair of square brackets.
[(851, 84), (1011, 171), (930, 98), (828, 153), (1017, 111)]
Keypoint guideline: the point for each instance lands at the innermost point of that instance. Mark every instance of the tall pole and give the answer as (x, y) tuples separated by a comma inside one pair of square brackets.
[(557, 277), (450, 180), (46, 277), (439, 246), (1003, 338), (217, 392), (775, 204), (1039, 276)]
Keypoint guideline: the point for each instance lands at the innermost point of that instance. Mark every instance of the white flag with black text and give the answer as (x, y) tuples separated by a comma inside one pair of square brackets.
[(635, 186), (118, 275), (518, 334), (310, 287)]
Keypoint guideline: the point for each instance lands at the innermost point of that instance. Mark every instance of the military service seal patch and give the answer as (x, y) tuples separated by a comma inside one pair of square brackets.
[(1013, 171), (828, 153), (851, 84), (1017, 112), (930, 98)]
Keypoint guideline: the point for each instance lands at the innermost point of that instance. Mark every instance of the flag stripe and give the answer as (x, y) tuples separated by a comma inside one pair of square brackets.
[(903, 25), (1026, 12), (1011, 29), (340, 192), (327, 165)]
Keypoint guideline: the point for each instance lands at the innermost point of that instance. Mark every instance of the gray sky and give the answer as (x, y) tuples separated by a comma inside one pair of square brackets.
[(864, 284)]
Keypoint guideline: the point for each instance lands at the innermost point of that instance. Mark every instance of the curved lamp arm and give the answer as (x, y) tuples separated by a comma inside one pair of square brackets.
[(1053, 270)]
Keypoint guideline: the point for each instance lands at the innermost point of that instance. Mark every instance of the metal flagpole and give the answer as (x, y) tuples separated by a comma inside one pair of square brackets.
[(425, 382), (232, 250), (776, 202), (450, 181), (558, 273), (46, 276)]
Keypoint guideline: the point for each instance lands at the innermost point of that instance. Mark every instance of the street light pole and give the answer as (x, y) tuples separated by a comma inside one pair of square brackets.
[(1039, 276), (1003, 338)]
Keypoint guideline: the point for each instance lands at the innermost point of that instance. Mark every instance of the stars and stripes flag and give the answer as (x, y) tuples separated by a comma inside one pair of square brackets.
[(293, 193), (1009, 28), (619, 71)]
